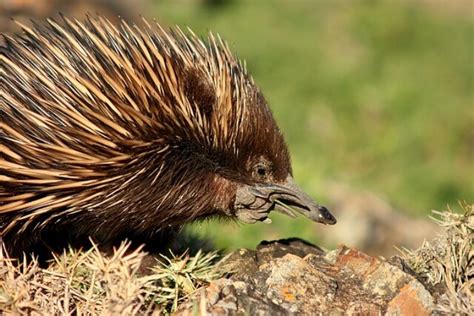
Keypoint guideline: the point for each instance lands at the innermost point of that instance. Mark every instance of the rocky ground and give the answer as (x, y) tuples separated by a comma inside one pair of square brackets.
[(292, 277)]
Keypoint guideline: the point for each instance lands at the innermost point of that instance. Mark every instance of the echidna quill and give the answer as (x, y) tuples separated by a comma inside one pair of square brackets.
[(115, 132)]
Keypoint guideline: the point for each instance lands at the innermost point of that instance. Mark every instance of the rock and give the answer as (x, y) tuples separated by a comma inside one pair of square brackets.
[(292, 277), (411, 299)]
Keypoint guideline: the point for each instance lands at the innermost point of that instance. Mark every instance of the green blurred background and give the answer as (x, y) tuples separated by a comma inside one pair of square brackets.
[(377, 95), (374, 95)]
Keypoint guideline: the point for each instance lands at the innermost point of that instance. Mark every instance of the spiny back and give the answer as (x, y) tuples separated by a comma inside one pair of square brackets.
[(105, 81)]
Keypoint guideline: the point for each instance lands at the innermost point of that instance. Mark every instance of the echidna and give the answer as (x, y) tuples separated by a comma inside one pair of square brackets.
[(115, 132)]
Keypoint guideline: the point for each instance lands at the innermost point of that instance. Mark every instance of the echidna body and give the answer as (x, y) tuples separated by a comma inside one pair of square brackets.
[(115, 132)]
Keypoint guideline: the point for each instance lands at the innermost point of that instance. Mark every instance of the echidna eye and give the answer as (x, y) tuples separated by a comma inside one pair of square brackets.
[(261, 170)]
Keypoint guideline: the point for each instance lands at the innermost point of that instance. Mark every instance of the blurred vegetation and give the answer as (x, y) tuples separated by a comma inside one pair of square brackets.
[(374, 94)]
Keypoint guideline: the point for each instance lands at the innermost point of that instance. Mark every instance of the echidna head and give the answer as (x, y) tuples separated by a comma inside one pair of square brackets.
[(261, 169)]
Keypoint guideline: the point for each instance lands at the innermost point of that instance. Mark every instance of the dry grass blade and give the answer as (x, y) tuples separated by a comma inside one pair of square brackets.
[(89, 282), (448, 261)]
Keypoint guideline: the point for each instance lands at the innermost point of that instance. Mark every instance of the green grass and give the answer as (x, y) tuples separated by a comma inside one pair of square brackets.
[(374, 94)]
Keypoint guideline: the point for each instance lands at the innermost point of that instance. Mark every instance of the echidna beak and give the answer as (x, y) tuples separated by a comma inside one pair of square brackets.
[(254, 203), (289, 197)]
